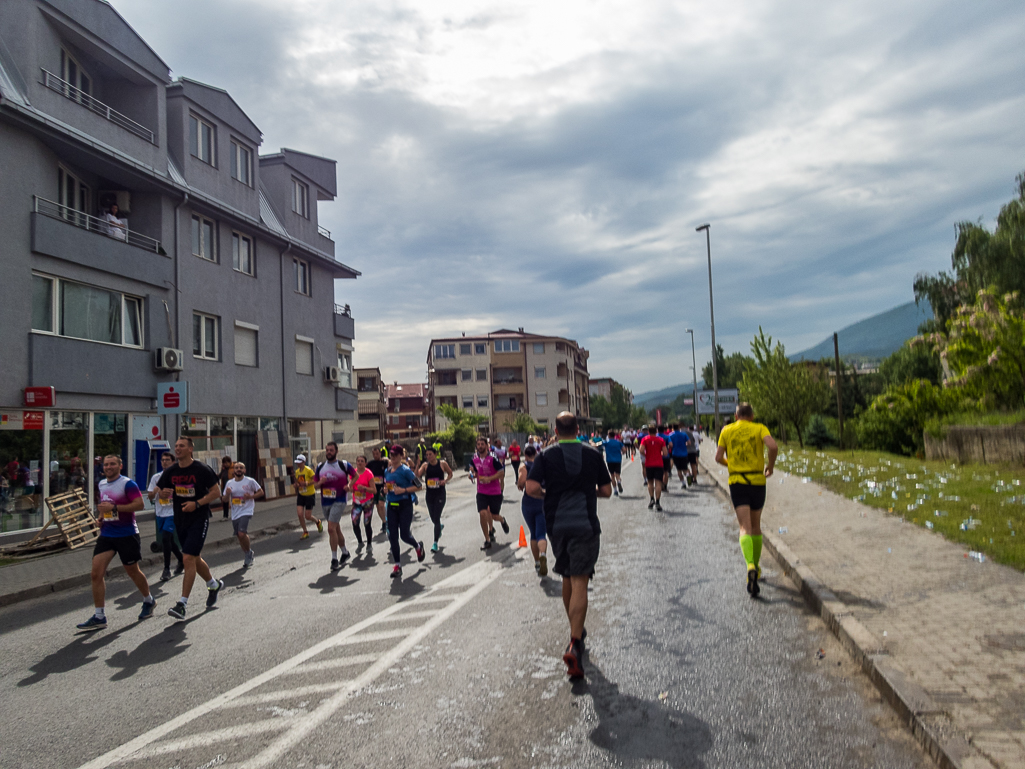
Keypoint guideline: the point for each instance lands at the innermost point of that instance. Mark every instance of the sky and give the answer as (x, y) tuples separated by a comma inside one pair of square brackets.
[(544, 165)]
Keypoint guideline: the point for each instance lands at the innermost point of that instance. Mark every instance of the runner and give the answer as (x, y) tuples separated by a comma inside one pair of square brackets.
[(195, 487), (667, 460), (693, 452), (570, 477), (437, 475), (534, 514), (120, 499), (164, 513), (332, 478), (364, 492), (305, 495), (240, 495), (400, 482), (653, 449), (614, 459), (487, 472), (379, 467), (678, 441), (500, 454), (514, 456), (740, 450), (224, 476)]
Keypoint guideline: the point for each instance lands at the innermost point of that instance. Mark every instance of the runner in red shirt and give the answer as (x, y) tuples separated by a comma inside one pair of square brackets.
[(654, 449)]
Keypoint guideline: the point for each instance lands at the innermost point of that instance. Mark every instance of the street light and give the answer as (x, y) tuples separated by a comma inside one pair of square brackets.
[(694, 368), (711, 312)]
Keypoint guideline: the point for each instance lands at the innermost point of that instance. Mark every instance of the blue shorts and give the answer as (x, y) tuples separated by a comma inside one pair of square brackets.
[(166, 524), (534, 516)]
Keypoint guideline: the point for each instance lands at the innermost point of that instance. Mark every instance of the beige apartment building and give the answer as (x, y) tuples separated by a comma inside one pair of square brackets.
[(372, 406), (505, 373)]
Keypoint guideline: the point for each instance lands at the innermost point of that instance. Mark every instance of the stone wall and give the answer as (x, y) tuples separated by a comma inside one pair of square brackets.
[(1001, 443)]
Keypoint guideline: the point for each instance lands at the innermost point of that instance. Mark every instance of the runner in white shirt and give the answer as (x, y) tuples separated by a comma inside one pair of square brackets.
[(164, 511), (241, 493)]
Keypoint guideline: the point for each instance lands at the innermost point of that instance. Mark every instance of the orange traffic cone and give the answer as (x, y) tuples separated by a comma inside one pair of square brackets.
[(523, 537)]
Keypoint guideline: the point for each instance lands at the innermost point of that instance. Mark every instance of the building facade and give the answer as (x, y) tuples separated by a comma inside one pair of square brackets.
[(408, 415), (148, 243), (373, 405), (603, 386)]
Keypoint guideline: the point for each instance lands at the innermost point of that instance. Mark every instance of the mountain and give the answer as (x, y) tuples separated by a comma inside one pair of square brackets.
[(666, 395), (876, 337)]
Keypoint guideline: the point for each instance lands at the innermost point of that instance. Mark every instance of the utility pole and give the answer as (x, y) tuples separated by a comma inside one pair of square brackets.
[(711, 312), (839, 396), (694, 369)]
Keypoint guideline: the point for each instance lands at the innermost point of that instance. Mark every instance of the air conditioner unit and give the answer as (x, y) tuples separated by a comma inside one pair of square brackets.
[(168, 359), (332, 374)]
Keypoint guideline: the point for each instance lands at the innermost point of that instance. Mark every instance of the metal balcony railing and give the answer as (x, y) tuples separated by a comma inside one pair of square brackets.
[(64, 88), (324, 231), (93, 224), (343, 309)]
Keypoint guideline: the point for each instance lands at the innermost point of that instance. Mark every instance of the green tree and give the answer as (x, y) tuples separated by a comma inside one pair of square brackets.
[(462, 432), (616, 410), (524, 423), (911, 362), (731, 369), (981, 260), (780, 391), (895, 420)]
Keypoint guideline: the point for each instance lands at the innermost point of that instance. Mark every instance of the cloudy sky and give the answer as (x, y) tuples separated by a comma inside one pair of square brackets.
[(540, 164)]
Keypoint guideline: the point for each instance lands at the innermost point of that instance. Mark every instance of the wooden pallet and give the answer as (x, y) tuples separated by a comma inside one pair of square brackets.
[(73, 517)]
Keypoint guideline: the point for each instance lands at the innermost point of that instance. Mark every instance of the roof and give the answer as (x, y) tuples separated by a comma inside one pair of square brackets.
[(319, 170), (406, 390), (217, 102)]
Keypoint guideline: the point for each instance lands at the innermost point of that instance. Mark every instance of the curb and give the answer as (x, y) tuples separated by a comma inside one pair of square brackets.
[(911, 702)]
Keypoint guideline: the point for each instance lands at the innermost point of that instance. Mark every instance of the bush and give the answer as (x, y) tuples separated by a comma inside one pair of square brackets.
[(818, 435), (895, 420)]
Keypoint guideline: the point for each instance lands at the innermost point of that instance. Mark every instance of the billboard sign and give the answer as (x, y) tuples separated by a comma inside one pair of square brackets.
[(728, 400), (173, 398)]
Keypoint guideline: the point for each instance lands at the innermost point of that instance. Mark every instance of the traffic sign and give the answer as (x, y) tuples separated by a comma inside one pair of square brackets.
[(173, 398)]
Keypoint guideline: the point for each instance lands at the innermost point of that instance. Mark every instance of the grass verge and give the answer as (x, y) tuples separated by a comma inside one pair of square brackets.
[(979, 506)]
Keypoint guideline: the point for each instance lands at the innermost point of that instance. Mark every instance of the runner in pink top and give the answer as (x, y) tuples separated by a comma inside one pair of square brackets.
[(488, 472), (363, 489)]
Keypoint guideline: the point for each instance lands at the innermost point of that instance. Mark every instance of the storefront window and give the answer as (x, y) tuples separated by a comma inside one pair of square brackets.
[(69, 437), (222, 432), (270, 423), (21, 463), (195, 428)]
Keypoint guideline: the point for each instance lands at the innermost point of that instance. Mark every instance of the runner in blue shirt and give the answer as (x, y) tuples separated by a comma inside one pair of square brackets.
[(679, 440), (614, 460), (400, 482)]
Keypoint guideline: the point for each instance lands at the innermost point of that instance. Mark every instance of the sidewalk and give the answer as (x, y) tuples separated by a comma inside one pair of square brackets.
[(941, 636)]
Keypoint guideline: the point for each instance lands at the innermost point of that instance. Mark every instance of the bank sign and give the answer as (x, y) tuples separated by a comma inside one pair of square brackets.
[(728, 400), (173, 398)]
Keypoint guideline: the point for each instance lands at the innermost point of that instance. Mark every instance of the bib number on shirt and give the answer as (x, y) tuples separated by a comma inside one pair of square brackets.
[(432, 483), (236, 501), (185, 491), (390, 486), (328, 493)]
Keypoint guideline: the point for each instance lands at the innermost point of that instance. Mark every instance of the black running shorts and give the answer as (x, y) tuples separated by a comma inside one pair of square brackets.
[(680, 462), (575, 555), (491, 501), (192, 533), (615, 467), (745, 494), (128, 548), (306, 501), (654, 473), (692, 457)]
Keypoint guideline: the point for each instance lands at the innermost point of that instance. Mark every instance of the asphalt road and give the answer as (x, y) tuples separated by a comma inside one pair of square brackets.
[(457, 665)]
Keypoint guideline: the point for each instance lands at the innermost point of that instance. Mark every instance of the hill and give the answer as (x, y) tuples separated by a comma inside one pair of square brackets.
[(875, 337), (666, 395)]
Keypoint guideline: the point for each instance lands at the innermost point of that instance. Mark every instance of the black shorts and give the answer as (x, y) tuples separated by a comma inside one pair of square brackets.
[(378, 495), (654, 473), (667, 463), (306, 501), (192, 533), (693, 457), (575, 556), (493, 502), (681, 463), (128, 548), (615, 467), (745, 494)]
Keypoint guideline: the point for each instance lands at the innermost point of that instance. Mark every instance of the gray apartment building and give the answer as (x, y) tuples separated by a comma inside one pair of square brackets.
[(212, 250)]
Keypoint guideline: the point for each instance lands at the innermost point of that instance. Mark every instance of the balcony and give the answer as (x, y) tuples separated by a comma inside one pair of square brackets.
[(502, 376), (69, 91), (324, 232), (94, 224), (345, 327)]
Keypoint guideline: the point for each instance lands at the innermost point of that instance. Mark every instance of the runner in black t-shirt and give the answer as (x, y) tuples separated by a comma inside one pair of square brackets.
[(379, 466), (195, 486)]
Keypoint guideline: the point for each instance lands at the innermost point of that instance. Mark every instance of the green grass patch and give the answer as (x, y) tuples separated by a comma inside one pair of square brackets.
[(979, 506), (7, 561), (937, 427)]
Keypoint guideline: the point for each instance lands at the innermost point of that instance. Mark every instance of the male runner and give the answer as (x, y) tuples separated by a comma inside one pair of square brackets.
[(679, 442), (436, 474), (379, 466), (693, 452), (363, 494), (120, 499), (332, 478), (654, 450), (667, 460), (740, 449), (570, 477), (488, 473), (195, 486), (240, 495), (614, 459), (305, 495), (401, 482), (164, 512)]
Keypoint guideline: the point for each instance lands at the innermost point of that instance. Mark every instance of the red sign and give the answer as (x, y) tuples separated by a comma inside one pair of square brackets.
[(32, 420), (172, 400), (658, 416), (40, 397)]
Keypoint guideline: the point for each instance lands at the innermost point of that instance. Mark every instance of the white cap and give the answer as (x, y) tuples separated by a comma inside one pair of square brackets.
[(300, 458)]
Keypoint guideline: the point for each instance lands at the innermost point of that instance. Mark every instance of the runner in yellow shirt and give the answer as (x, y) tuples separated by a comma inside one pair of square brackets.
[(741, 450), (305, 495)]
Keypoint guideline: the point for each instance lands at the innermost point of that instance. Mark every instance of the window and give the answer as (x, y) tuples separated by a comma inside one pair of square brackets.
[(73, 194), (304, 355), (482, 375), (539, 372), (242, 253), (467, 401), (541, 399), (444, 351), (85, 312), (302, 276), (344, 369), (72, 73), (241, 163), (447, 377), (300, 198), (560, 347), (448, 400), (507, 345), (465, 349), (204, 244), (201, 139), (205, 336), (467, 375), (480, 349), (246, 344), (539, 348), (482, 401), (392, 419)]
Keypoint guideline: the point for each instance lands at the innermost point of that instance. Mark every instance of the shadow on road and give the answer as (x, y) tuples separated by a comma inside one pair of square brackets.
[(332, 581), (170, 642), (444, 560), (407, 587), (79, 652), (552, 587)]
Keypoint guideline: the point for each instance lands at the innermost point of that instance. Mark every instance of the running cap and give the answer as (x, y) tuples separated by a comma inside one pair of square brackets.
[(300, 458)]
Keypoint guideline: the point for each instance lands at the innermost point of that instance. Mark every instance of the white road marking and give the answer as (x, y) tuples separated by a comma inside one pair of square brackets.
[(340, 662), (285, 694), (219, 735), (411, 615), (381, 635)]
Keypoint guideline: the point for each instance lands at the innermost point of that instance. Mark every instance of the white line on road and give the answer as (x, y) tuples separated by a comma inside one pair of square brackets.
[(341, 662), (218, 735), (285, 694), (382, 635)]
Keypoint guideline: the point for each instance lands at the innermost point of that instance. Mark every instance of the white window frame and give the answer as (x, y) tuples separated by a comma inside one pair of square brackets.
[(466, 375), (81, 193), (467, 347), (241, 163), (345, 368), (444, 351), (507, 345), (302, 276), (237, 239), (480, 348), (301, 198), (196, 150), (539, 348), (129, 305), (313, 353), (201, 220), (84, 85), (482, 401), (540, 372), (481, 375), (255, 329), (541, 399), (204, 317), (466, 398)]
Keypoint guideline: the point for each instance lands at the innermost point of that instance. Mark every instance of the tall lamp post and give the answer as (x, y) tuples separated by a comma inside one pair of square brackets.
[(711, 312), (694, 368)]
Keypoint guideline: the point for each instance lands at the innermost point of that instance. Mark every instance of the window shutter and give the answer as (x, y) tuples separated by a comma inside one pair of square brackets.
[(245, 346), (303, 357)]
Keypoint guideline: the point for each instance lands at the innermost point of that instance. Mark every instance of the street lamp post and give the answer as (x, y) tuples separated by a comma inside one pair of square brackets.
[(694, 368), (711, 312)]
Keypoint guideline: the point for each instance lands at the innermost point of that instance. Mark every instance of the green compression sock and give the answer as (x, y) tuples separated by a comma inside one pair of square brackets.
[(747, 547), (756, 541)]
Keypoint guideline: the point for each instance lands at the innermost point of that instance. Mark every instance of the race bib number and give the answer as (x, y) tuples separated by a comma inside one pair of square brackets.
[(110, 516), (185, 491), (328, 493), (236, 501), (390, 486), (378, 480), (432, 483), (165, 495)]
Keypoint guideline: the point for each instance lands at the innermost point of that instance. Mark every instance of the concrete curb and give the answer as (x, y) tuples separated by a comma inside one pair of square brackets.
[(912, 703)]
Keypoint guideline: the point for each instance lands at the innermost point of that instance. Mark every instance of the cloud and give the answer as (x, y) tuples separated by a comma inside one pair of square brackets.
[(539, 165)]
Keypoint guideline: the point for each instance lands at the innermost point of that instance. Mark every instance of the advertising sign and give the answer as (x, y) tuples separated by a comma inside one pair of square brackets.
[(728, 400), (172, 398), (40, 397), (21, 420)]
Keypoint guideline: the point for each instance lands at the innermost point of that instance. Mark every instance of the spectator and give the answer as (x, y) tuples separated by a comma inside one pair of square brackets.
[(117, 228)]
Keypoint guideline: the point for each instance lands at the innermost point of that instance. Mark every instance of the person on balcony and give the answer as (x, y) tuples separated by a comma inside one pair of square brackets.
[(117, 228)]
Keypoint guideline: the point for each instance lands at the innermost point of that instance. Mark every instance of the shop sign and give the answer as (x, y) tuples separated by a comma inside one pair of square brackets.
[(40, 397), (172, 397), (21, 420)]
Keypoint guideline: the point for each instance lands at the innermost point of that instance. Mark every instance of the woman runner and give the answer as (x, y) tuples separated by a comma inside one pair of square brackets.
[(400, 482), (436, 475), (363, 490), (534, 514)]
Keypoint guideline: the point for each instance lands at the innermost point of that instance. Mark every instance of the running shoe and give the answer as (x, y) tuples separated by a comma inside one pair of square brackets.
[(658, 506), (574, 665), (759, 567), (305, 535), (179, 569), (320, 526), (752, 581), (615, 492), (177, 611), (537, 567), (543, 571), (166, 575), (250, 557), (147, 609), (434, 547), (620, 485), (93, 623), (211, 593), (345, 557), (396, 572), (334, 564), (651, 504), (486, 545), (420, 552), (505, 526), (492, 535)]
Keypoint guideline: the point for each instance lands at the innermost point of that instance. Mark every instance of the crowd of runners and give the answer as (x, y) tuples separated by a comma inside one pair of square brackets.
[(559, 479)]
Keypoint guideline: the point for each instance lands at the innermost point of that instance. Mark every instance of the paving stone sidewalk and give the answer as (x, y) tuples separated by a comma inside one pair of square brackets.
[(945, 632)]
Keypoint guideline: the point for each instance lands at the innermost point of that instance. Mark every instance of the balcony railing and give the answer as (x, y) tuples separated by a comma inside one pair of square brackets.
[(324, 231), (343, 309), (65, 88), (93, 224), (507, 380)]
